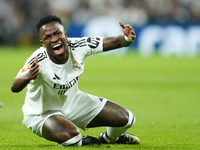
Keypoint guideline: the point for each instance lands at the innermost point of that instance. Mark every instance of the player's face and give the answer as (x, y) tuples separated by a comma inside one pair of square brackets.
[(54, 39)]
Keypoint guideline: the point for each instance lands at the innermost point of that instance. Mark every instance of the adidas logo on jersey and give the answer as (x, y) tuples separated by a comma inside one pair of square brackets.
[(56, 77)]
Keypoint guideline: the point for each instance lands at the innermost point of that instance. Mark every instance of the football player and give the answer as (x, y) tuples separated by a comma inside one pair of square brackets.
[(54, 107)]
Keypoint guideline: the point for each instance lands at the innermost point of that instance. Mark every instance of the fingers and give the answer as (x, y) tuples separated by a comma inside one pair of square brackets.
[(36, 59), (121, 24), (133, 33), (34, 70), (124, 26), (128, 30), (35, 62)]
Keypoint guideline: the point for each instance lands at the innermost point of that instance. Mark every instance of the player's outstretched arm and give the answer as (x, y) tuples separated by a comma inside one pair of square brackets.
[(122, 40), (20, 82)]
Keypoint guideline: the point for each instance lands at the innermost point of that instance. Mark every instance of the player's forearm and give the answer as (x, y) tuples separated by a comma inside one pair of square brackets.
[(110, 43), (19, 84)]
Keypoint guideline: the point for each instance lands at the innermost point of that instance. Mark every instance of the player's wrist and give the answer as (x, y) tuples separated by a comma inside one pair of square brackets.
[(126, 38)]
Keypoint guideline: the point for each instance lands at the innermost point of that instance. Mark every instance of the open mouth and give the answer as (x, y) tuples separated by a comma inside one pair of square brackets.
[(58, 49)]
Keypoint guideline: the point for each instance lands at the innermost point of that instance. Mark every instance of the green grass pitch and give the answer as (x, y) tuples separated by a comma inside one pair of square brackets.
[(163, 94)]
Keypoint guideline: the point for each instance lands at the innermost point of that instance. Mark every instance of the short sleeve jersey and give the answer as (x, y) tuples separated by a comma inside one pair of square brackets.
[(56, 87)]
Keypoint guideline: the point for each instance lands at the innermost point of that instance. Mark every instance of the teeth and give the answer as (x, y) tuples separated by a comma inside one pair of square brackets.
[(56, 45)]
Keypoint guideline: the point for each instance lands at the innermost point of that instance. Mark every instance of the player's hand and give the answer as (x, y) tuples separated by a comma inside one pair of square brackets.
[(34, 69), (128, 30)]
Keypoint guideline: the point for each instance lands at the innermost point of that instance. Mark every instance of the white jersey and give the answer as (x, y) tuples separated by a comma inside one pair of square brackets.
[(56, 87)]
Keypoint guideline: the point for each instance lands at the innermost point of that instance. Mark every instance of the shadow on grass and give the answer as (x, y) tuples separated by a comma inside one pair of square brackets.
[(27, 146), (101, 147)]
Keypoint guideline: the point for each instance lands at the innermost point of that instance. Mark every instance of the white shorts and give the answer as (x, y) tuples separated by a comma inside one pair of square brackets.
[(81, 116)]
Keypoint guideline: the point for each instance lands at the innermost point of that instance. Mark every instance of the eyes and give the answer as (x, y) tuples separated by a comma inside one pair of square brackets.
[(55, 34)]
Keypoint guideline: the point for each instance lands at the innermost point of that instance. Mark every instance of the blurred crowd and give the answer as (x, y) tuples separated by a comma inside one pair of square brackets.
[(18, 17)]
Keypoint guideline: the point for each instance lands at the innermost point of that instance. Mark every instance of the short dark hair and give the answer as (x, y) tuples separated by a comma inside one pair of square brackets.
[(47, 19)]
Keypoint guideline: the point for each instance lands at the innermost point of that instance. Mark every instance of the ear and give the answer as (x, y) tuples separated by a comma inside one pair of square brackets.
[(66, 34), (42, 43)]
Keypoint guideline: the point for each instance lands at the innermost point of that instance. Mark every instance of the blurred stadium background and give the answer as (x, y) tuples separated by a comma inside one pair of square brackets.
[(169, 27)]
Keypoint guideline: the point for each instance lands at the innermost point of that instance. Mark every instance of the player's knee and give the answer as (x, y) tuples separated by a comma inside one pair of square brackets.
[(131, 120), (75, 141), (74, 132)]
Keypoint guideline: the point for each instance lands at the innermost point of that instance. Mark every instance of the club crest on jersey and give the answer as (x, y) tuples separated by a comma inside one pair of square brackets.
[(44, 115), (26, 67), (76, 67)]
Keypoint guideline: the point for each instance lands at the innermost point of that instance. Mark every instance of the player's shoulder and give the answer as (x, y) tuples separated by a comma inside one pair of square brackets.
[(90, 42), (77, 42), (40, 53)]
